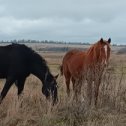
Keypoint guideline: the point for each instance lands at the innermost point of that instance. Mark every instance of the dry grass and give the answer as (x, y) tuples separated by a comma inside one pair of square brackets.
[(32, 109)]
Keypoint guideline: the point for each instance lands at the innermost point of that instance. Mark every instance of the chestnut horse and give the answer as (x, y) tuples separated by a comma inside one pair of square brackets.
[(90, 65)]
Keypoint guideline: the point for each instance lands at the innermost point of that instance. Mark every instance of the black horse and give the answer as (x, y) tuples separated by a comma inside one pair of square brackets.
[(17, 62)]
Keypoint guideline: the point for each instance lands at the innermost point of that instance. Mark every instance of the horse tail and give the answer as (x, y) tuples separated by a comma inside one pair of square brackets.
[(61, 69)]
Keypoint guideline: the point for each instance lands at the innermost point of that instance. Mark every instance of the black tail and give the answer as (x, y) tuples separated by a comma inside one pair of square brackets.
[(61, 70)]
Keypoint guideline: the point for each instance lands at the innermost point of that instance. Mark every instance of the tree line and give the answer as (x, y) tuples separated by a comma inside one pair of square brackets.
[(49, 42), (43, 41)]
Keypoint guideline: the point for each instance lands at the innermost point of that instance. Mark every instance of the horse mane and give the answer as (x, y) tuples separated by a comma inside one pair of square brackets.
[(94, 53), (29, 52)]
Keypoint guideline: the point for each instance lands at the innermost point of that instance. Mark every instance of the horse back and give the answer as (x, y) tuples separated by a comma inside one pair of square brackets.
[(13, 60), (73, 62)]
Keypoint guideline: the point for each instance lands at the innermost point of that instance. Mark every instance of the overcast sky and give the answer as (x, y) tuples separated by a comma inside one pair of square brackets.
[(63, 20)]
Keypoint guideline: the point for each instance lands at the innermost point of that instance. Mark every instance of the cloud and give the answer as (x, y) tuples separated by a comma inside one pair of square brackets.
[(68, 20)]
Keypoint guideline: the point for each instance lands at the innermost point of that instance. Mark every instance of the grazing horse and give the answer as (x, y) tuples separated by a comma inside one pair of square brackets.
[(90, 65), (17, 62)]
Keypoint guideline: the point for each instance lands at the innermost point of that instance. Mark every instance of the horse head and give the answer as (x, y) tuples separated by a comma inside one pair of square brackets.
[(104, 46), (49, 88), (100, 52)]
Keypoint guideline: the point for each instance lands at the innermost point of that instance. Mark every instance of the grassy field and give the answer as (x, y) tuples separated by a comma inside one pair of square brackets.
[(32, 109)]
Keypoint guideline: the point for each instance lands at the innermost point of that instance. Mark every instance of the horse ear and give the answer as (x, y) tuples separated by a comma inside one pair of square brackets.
[(101, 40), (109, 40), (56, 76)]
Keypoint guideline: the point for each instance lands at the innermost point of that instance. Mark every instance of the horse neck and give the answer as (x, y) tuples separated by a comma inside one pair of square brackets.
[(38, 67), (93, 55), (42, 73)]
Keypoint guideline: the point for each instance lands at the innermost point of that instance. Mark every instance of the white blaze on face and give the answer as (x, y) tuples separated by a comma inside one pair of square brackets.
[(105, 47)]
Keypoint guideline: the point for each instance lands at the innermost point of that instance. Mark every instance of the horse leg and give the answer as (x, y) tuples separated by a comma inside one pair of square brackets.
[(68, 86), (16, 83), (74, 88), (77, 90), (73, 81), (89, 91), (8, 84), (67, 77), (20, 85), (97, 85)]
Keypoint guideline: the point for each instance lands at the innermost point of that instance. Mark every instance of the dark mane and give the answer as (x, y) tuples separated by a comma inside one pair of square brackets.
[(28, 51)]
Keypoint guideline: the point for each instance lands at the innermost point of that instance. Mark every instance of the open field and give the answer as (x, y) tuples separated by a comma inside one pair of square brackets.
[(32, 109)]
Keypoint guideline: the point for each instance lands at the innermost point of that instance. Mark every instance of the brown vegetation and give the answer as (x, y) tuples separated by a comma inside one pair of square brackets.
[(32, 109)]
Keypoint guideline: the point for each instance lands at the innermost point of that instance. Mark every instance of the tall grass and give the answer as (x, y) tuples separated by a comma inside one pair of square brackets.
[(32, 109)]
